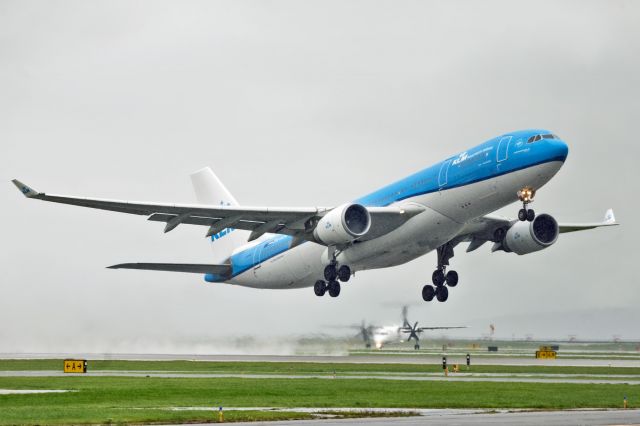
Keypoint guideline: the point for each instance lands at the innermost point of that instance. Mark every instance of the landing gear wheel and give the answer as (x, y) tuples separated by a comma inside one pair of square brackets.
[(437, 278), (416, 347), (522, 215), (319, 288), (531, 215), (344, 273), (452, 278), (334, 288), (428, 293), (330, 272), (526, 195), (442, 294)]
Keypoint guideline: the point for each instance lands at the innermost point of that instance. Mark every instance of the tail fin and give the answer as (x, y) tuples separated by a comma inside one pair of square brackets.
[(405, 311), (609, 217), (211, 191)]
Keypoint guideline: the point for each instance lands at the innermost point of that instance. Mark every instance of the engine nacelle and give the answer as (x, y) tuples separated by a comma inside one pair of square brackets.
[(527, 237), (343, 224)]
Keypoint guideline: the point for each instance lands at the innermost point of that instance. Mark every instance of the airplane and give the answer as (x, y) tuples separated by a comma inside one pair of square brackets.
[(382, 335), (436, 208), (414, 330)]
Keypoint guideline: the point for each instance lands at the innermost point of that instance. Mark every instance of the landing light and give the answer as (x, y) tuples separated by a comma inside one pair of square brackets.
[(526, 194)]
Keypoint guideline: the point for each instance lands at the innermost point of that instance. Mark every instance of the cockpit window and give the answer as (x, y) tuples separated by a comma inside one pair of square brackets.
[(536, 138)]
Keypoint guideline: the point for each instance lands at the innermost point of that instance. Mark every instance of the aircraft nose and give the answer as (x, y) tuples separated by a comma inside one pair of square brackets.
[(560, 149)]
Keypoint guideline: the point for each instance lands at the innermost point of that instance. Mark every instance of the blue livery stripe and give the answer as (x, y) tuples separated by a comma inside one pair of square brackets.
[(497, 157)]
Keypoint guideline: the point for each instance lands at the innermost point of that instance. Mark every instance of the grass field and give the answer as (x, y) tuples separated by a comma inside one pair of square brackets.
[(151, 399)]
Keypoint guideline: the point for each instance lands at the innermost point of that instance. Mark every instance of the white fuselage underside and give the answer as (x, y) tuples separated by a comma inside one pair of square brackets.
[(445, 216)]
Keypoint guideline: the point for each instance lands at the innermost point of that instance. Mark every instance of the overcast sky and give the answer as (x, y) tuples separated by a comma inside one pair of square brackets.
[(298, 103)]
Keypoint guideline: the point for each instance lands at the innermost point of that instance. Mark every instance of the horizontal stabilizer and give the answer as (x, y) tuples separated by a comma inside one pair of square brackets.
[(223, 270)]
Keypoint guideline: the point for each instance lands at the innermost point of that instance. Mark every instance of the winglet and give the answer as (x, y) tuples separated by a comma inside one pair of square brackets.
[(27, 191), (609, 218)]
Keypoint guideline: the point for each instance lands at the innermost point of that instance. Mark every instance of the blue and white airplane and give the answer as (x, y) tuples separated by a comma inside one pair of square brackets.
[(434, 209)]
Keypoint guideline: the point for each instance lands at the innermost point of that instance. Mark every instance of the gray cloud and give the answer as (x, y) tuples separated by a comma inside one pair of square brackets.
[(303, 103)]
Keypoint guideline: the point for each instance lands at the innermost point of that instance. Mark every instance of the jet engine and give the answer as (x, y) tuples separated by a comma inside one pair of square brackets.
[(527, 237), (343, 225)]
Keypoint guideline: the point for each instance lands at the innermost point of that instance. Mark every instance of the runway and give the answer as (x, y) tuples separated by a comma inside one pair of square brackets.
[(342, 359), (465, 417), (459, 377)]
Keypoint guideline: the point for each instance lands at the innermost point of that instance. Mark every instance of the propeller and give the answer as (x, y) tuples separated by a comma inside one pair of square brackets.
[(366, 332), (412, 330)]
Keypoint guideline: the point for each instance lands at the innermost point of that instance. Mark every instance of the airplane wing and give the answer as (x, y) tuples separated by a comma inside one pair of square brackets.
[(438, 328), (482, 229), (223, 270), (297, 221), (609, 220)]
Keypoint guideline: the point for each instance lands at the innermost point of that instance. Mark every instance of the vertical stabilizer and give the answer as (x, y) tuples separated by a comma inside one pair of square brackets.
[(211, 191)]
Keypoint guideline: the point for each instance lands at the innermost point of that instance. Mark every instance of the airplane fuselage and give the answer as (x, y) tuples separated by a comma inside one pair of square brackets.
[(453, 193)]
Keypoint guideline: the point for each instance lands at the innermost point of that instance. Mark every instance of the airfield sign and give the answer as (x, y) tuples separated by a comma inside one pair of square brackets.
[(75, 366)]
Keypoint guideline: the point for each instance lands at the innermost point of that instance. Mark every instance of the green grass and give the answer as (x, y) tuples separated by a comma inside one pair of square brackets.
[(149, 399), (303, 367), (74, 415), (143, 400)]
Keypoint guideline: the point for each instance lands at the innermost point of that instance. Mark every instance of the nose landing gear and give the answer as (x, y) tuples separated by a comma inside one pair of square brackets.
[(440, 278), (526, 195)]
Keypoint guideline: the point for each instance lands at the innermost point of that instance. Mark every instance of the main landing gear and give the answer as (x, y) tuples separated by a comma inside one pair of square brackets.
[(332, 273), (441, 278), (526, 195)]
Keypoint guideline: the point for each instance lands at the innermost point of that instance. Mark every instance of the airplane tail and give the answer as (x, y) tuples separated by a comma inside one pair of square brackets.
[(405, 311), (211, 191)]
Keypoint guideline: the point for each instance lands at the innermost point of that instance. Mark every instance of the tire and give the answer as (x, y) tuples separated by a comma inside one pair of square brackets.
[(452, 278), (522, 215), (334, 288), (428, 293), (319, 288), (531, 215), (416, 347), (442, 294), (330, 273), (437, 278), (344, 273)]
